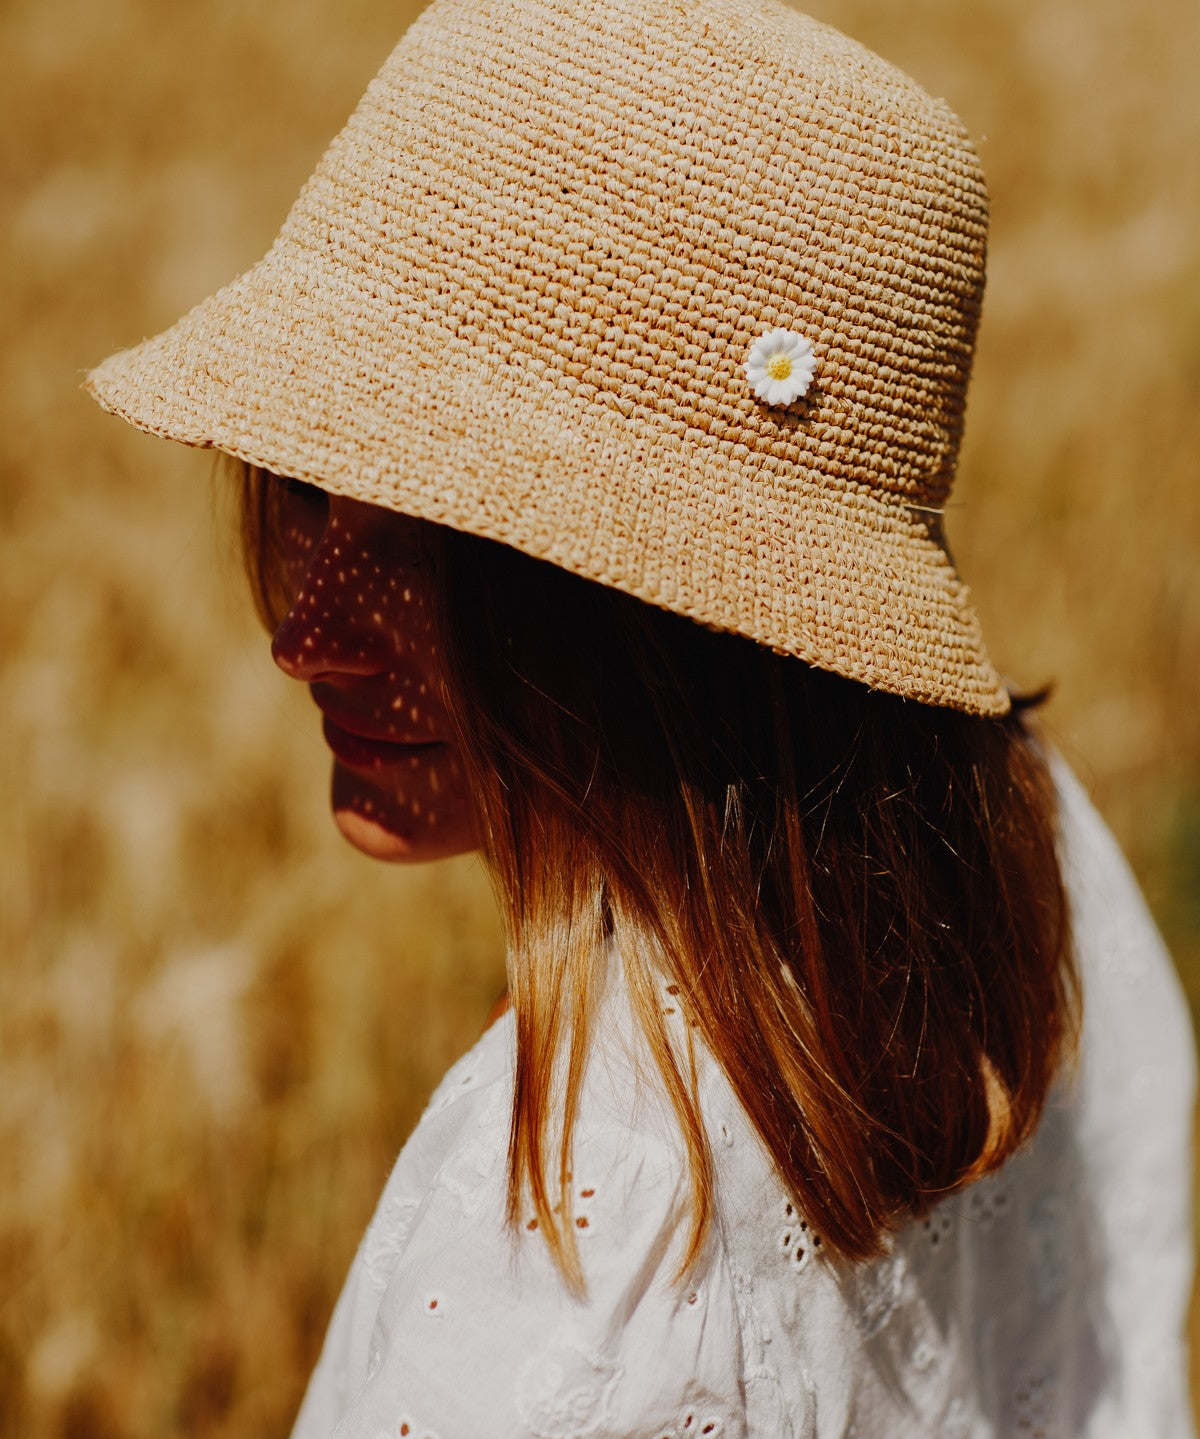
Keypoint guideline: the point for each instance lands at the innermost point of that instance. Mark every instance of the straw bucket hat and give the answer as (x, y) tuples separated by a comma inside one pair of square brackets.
[(678, 294)]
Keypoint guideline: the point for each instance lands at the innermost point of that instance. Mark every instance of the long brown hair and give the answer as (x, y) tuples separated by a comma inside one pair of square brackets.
[(855, 897)]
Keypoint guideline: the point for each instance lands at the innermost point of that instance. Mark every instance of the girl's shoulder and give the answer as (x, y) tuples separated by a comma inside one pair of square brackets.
[(1132, 998), (457, 1322)]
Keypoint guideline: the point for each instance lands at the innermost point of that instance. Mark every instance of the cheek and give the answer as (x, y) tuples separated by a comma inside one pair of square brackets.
[(400, 603)]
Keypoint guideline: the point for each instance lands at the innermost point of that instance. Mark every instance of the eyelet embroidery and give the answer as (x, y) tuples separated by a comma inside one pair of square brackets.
[(407, 1428), (1036, 1408), (694, 1424), (798, 1243), (582, 1217), (924, 1356), (938, 1226), (582, 1212), (987, 1201)]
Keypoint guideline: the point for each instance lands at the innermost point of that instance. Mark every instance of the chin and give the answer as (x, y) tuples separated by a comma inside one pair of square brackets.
[(376, 840), (377, 827)]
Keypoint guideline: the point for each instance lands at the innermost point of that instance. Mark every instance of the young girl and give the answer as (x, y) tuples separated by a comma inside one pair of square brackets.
[(844, 1088)]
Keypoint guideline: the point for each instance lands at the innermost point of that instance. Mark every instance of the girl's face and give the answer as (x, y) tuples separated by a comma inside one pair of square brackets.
[(358, 633)]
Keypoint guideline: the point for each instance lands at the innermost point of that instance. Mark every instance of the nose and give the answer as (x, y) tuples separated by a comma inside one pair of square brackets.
[(336, 624)]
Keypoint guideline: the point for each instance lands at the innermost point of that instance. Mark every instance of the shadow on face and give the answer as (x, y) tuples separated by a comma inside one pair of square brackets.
[(357, 631)]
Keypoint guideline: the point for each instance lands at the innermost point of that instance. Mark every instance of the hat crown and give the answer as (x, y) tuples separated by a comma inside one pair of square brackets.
[(637, 190)]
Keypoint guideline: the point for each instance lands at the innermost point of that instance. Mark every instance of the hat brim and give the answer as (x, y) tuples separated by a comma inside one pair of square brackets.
[(269, 370)]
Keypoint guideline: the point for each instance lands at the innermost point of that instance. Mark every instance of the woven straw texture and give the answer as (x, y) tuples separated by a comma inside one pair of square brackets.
[(517, 294)]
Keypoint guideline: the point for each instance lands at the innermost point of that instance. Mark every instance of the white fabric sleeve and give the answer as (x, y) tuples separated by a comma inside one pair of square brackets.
[(478, 1337), (1137, 1089)]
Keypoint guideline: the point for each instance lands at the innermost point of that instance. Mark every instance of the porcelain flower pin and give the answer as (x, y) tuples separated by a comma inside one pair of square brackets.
[(780, 366)]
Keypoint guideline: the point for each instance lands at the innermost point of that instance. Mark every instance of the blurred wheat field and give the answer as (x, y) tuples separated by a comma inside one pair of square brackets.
[(218, 1022)]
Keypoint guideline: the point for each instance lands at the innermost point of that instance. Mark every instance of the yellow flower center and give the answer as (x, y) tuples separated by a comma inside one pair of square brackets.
[(779, 367)]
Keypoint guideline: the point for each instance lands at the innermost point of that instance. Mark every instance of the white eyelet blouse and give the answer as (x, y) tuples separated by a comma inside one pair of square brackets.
[(1046, 1302)]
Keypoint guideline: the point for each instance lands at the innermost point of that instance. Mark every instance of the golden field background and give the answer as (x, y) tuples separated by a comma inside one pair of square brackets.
[(217, 1022)]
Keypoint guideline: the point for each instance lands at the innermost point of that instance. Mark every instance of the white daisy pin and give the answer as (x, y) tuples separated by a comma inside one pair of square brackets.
[(780, 366)]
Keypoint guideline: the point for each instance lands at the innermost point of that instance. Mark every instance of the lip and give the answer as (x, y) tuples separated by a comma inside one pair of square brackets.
[(365, 752)]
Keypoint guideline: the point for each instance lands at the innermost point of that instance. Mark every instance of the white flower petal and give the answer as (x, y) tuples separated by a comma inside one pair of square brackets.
[(773, 345)]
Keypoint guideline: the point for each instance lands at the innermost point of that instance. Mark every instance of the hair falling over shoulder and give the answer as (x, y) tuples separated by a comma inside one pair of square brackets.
[(858, 896)]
